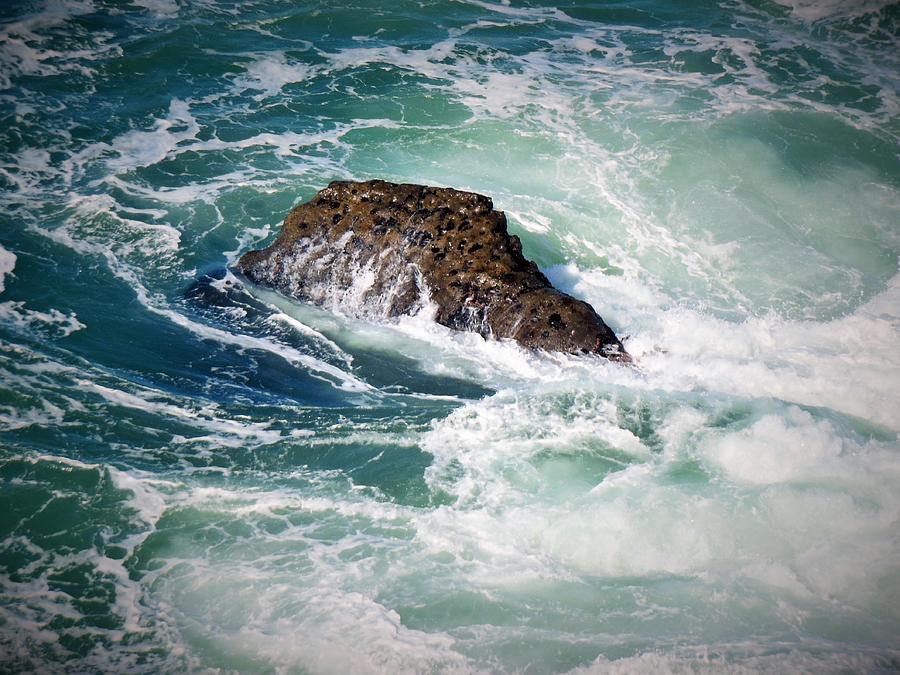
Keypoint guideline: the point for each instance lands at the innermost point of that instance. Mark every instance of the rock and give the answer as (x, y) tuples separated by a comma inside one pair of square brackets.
[(379, 249)]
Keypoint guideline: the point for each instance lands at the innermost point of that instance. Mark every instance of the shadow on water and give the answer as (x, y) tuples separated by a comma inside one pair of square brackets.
[(370, 439), (220, 299)]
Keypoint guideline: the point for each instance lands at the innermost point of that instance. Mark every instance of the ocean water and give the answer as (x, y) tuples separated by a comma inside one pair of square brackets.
[(197, 475)]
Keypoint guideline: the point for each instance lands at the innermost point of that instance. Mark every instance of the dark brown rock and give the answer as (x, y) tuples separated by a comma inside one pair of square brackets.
[(379, 249)]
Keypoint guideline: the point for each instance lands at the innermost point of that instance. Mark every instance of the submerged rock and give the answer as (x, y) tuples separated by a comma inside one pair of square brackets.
[(379, 249)]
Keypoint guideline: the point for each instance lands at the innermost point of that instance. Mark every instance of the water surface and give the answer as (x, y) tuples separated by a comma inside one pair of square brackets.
[(209, 477)]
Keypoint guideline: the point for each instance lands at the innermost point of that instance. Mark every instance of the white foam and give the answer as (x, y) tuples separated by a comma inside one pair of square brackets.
[(584, 44), (161, 8), (306, 331), (40, 599), (260, 616), (425, 61), (724, 459), (517, 523), (270, 73), (849, 364), (7, 265), (533, 222), (247, 238), (147, 500), (817, 10), (157, 305), (533, 13), (332, 620), (333, 375), (53, 321), (24, 50), (739, 658), (223, 431), (205, 193), (156, 238), (137, 148), (779, 448), (29, 172)]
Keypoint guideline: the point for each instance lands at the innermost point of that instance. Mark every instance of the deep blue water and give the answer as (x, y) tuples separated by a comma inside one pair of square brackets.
[(197, 475)]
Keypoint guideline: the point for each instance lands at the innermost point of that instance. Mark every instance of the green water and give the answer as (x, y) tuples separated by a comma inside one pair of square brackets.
[(201, 476)]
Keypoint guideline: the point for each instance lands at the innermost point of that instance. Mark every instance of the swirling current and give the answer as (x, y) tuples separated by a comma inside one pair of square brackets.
[(200, 475)]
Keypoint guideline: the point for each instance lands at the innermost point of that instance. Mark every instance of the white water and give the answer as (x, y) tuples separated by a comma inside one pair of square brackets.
[(262, 485)]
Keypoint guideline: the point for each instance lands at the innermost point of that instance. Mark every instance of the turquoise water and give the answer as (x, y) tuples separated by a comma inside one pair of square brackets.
[(201, 476)]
